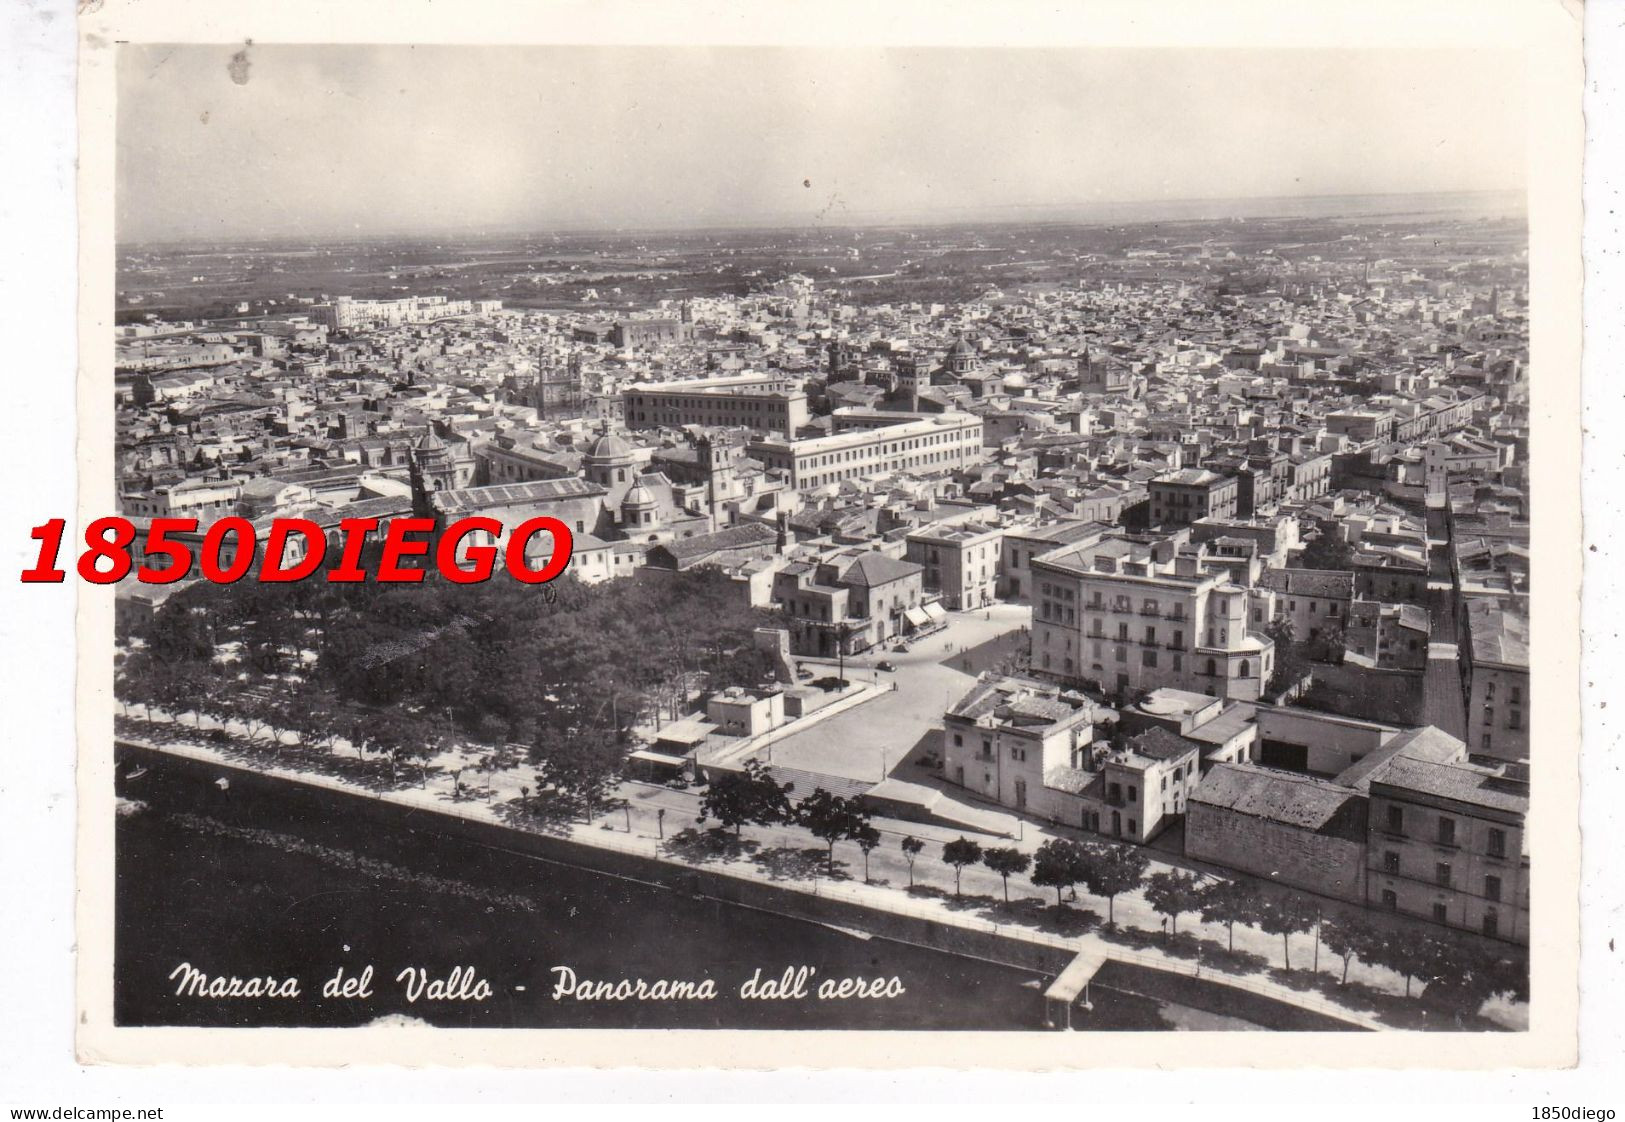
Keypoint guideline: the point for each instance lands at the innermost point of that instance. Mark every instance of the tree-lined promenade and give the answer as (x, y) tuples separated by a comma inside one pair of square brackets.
[(363, 688), (747, 821)]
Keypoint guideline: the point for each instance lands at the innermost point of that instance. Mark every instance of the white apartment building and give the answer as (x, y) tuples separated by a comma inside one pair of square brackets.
[(1132, 614), (767, 403), (941, 443)]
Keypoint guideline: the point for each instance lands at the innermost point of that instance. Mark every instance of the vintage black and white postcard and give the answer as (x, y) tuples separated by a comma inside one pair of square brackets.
[(966, 539)]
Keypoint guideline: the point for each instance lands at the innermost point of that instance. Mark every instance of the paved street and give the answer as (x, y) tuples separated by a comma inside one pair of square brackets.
[(1443, 705), (872, 740)]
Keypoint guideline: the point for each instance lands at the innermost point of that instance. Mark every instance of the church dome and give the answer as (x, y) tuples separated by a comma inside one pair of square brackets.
[(639, 496), (962, 349), (429, 442), (610, 447)]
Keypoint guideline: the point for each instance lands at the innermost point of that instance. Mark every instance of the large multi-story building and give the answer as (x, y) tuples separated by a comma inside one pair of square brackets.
[(1021, 545), (1030, 746), (347, 313), (766, 403), (1447, 844), (1179, 498), (194, 498), (647, 332), (1495, 664), (1007, 734), (940, 443), (848, 602), (1316, 602), (961, 562), (1135, 614)]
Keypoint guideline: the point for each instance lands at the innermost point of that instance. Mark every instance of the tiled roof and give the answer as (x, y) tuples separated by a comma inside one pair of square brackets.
[(1158, 743), (871, 569), (1278, 796), (743, 536), (1332, 584), (1458, 782), (506, 494), (1498, 634)]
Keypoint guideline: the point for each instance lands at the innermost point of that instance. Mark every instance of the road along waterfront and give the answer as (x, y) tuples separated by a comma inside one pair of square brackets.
[(286, 879)]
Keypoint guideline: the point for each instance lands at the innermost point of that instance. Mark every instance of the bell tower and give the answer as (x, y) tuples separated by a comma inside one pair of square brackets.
[(431, 470)]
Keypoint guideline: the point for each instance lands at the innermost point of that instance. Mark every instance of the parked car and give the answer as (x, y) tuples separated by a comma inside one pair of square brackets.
[(884, 665)]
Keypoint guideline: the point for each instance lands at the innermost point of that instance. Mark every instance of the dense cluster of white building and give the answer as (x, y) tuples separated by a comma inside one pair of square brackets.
[(1243, 522)]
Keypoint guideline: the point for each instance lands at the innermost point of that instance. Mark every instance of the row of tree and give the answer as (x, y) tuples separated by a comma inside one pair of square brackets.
[(1108, 871), (753, 796)]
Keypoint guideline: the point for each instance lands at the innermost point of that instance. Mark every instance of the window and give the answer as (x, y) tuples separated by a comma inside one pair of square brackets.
[(1390, 899), (1148, 658), (1133, 793), (1491, 923), (1514, 720), (1396, 820), (1133, 826), (959, 741), (1497, 842), (1441, 914), (1492, 888), (1447, 831), (1246, 668), (1441, 874), (1390, 861)]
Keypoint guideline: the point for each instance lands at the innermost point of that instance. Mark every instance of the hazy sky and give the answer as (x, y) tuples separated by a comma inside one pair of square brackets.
[(372, 140)]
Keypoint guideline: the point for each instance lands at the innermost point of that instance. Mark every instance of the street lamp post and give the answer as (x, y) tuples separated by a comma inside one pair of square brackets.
[(660, 822)]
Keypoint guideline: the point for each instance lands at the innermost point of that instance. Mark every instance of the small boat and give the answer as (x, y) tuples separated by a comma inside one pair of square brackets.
[(135, 772)]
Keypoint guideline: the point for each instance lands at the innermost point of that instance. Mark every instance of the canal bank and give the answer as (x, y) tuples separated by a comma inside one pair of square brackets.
[(294, 803)]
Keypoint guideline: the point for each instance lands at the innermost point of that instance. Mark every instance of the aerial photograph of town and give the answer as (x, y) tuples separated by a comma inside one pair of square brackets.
[(1007, 614)]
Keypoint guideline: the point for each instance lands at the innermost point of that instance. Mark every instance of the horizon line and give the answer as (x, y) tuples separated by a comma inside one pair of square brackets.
[(766, 224)]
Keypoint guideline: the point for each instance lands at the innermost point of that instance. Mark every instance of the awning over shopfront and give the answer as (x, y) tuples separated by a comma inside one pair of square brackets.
[(916, 617), (936, 612)]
